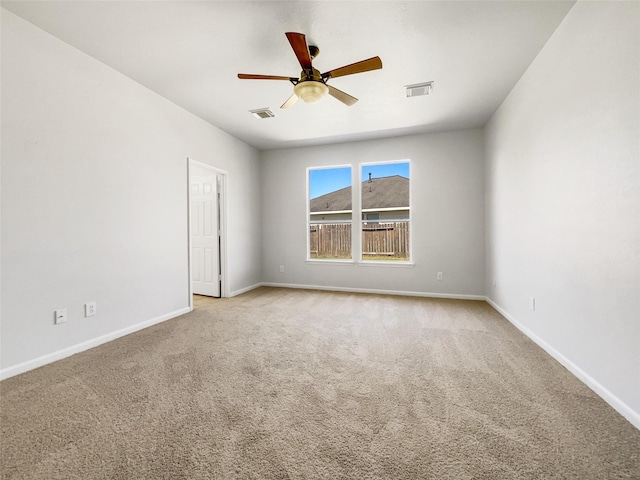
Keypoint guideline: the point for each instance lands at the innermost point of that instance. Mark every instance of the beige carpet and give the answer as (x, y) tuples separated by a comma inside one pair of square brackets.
[(293, 384)]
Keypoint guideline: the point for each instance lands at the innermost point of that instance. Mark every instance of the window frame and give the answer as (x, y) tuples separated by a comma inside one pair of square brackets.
[(308, 216), (362, 211), (356, 217)]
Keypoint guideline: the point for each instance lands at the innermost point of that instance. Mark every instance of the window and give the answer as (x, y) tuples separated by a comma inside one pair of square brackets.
[(382, 213), (371, 218), (330, 213), (385, 211)]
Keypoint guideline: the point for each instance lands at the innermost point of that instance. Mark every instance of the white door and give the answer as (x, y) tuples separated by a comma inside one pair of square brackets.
[(205, 239)]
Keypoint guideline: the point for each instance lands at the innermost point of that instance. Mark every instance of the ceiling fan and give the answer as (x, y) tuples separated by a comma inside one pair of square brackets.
[(312, 85)]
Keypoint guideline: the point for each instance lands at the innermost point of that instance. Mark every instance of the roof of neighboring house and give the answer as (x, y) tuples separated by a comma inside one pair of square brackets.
[(384, 192)]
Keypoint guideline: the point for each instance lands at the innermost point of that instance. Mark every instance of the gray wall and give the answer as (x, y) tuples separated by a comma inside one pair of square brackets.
[(563, 200), (94, 200), (447, 217)]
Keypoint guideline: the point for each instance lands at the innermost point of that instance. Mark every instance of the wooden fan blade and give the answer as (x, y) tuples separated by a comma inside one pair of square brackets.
[(364, 66), (343, 97), (249, 76), (291, 101), (299, 44)]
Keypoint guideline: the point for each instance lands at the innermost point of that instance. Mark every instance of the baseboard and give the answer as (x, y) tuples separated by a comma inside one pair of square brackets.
[(81, 347), (380, 292), (245, 289), (621, 407)]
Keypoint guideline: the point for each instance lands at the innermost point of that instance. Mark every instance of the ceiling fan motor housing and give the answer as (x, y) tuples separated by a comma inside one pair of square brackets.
[(312, 74), (313, 51)]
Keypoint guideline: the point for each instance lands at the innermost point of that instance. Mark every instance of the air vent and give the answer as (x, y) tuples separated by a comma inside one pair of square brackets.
[(262, 113), (419, 89)]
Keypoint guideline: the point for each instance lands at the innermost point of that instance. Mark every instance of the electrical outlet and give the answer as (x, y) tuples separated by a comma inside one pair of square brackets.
[(60, 316), (281, 268), (439, 276), (532, 302), (89, 309)]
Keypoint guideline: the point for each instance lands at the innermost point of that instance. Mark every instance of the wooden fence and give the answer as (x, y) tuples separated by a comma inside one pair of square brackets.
[(384, 239), (330, 240)]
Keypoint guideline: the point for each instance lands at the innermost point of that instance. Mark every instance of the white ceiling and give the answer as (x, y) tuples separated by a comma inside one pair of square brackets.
[(191, 51)]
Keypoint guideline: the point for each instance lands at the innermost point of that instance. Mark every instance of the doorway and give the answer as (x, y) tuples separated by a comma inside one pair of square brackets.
[(206, 225)]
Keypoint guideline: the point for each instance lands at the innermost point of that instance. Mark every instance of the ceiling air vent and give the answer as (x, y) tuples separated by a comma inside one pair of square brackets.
[(419, 89), (262, 113)]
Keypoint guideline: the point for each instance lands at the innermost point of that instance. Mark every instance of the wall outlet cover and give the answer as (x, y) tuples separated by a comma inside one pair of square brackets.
[(89, 309)]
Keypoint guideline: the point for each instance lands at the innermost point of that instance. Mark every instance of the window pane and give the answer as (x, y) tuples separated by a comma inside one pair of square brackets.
[(330, 213), (385, 211), (385, 241)]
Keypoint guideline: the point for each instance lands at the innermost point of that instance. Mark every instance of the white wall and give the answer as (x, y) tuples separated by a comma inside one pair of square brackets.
[(94, 202), (447, 218), (563, 200), (94, 199)]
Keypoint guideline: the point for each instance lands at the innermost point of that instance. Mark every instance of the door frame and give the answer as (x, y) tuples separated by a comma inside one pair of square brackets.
[(222, 225)]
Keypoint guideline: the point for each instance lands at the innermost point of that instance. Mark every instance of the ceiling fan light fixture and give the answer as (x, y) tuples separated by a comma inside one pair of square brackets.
[(310, 91)]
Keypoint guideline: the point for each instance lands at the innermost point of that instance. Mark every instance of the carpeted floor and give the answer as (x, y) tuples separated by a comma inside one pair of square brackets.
[(295, 384)]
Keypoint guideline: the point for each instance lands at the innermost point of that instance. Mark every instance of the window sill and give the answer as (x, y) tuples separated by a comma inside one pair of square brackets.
[(382, 263), (365, 263), (326, 261)]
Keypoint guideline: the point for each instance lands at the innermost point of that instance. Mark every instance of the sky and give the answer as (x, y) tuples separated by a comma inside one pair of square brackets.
[(325, 180)]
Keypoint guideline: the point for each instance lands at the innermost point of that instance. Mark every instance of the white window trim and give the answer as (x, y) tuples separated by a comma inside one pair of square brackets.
[(324, 261), (358, 234), (385, 263), (356, 219), (308, 218)]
